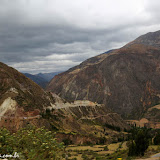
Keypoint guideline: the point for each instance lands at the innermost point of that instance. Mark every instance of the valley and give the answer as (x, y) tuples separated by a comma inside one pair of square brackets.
[(100, 109)]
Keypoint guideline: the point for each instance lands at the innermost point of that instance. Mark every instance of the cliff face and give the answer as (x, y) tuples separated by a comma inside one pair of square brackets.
[(125, 80)]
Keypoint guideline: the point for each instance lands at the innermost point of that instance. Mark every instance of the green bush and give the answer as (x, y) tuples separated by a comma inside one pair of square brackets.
[(32, 143)]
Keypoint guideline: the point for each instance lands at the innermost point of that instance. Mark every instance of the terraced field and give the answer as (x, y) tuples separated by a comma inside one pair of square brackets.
[(93, 152)]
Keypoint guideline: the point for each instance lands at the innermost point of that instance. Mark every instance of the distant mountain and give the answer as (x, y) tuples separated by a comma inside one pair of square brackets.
[(125, 80), (42, 79), (37, 79), (47, 76)]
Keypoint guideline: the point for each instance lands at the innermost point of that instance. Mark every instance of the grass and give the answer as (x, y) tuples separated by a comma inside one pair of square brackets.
[(114, 146), (83, 148), (97, 152)]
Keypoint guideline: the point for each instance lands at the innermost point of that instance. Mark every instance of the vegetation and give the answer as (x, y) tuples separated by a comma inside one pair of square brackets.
[(31, 143), (139, 141), (116, 128), (157, 139), (38, 143)]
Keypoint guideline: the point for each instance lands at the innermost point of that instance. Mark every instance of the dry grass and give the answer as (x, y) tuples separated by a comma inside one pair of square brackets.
[(83, 148), (114, 146), (155, 147), (124, 146), (105, 152)]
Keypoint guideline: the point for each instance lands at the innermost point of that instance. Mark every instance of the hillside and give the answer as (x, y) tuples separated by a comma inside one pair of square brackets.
[(20, 97), (126, 80)]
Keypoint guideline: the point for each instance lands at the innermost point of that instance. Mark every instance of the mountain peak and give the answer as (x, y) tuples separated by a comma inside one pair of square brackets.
[(150, 39)]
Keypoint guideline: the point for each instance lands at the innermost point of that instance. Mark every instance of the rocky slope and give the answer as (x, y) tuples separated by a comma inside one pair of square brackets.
[(19, 98), (125, 80), (78, 112), (85, 122)]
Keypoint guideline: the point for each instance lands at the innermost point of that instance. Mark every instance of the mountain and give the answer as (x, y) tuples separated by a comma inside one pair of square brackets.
[(23, 102), (150, 39), (42, 79), (126, 80), (37, 79), (47, 76)]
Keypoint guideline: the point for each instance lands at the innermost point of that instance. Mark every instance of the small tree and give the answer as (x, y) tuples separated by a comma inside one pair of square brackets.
[(132, 149), (157, 139), (139, 143), (142, 142)]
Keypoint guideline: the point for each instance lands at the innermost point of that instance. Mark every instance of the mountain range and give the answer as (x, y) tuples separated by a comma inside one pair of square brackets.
[(42, 79)]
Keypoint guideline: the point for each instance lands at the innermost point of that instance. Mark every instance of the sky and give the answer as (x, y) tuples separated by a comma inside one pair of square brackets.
[(54, 35)]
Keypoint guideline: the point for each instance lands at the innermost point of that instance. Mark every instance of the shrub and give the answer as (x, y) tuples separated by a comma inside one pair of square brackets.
[(106, 148), (32, 143)]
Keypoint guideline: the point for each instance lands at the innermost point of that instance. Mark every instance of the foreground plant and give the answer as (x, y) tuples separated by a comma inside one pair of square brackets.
[(31, 143)]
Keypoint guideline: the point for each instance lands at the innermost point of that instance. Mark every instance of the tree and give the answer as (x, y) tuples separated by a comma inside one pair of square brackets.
[(157, 139), (139, 143)]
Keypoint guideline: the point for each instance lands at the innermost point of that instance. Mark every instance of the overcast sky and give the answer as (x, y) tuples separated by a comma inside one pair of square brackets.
[(54, 35)]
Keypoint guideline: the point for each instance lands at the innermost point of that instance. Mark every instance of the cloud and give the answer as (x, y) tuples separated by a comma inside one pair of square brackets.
[(54, 35)]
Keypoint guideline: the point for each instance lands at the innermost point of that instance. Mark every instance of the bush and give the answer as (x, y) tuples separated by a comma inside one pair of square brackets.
[(32, 143), (106, 148), (67, 141), (116, 128)]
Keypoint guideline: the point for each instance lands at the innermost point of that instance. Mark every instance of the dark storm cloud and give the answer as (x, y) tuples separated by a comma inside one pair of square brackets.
[(27, 43), (53, 35)]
